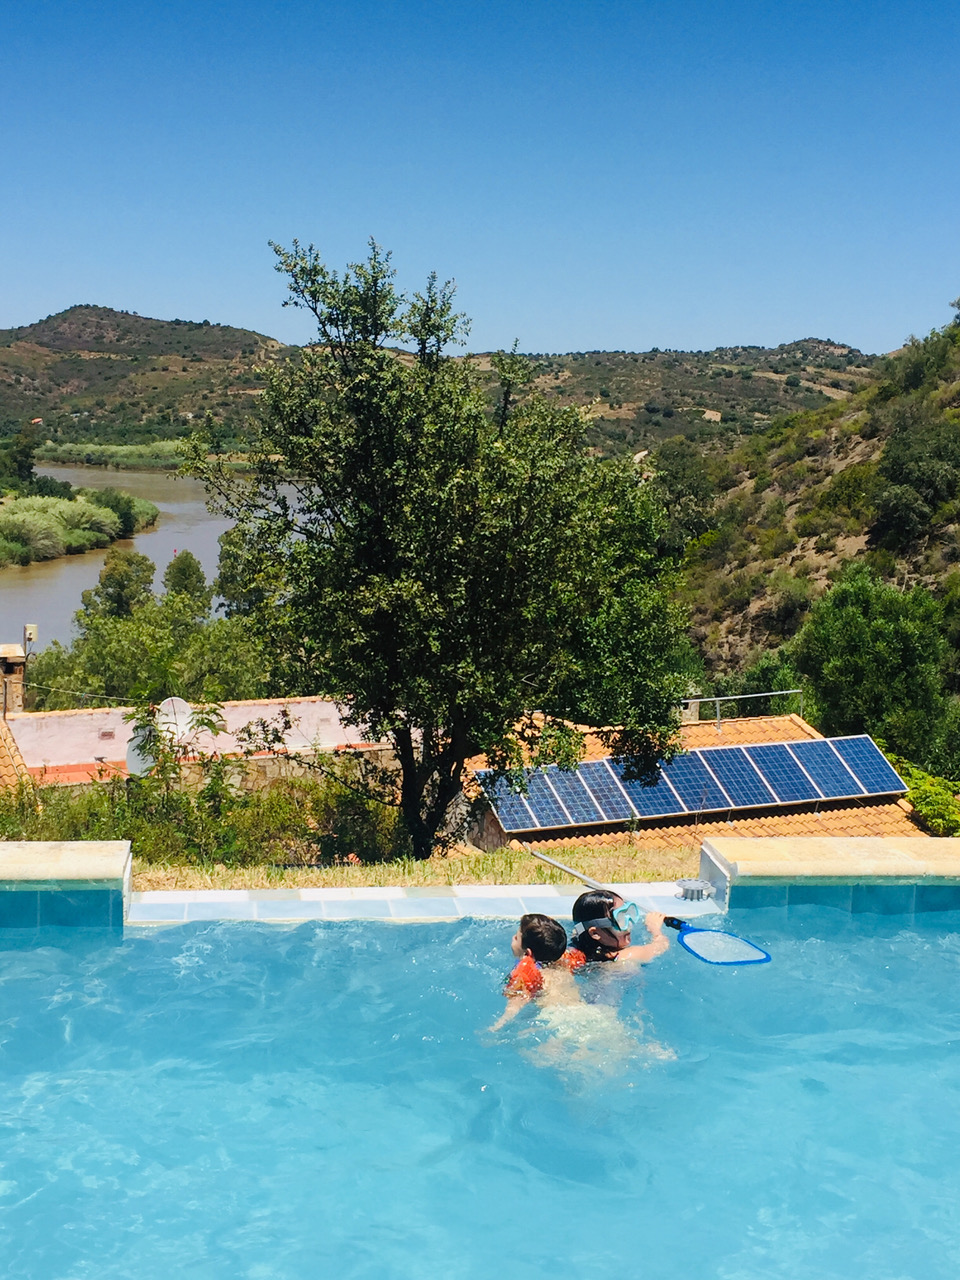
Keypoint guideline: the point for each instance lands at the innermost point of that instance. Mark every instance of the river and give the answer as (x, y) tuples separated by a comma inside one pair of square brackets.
[(48, 591)]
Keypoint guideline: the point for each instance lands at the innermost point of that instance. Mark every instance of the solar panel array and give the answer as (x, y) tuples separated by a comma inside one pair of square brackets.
[(711, 780)]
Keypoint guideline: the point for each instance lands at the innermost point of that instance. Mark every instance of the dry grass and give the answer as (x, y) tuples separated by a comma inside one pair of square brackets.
[(613, 863)]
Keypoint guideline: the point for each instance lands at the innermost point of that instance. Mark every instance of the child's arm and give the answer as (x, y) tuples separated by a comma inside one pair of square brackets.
[(655, 947), (515, 1002)]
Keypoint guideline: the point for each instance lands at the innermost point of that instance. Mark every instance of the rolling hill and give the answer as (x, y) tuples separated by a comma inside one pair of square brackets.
[(98, 376), (112, 378)]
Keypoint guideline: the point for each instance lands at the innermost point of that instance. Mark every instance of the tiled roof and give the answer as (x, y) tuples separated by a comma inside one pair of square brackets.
[(703, 733), (744, 731), (889, 819), (748, 731), (12, 768)]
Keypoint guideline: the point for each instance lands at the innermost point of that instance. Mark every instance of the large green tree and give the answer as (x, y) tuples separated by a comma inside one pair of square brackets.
[(874, 657), (184, 576), (465, 579)]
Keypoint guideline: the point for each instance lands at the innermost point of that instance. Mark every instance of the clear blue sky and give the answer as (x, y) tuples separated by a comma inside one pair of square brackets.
[(598, 174)]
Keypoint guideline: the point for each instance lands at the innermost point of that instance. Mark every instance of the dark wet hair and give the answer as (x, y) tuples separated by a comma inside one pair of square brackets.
[(544, 937), (594, 905)]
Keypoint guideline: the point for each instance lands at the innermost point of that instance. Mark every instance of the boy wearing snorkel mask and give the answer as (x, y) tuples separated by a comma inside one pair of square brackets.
[(602, 929)]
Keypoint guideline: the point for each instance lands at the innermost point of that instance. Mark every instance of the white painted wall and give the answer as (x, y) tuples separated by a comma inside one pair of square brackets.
[(51, 738)]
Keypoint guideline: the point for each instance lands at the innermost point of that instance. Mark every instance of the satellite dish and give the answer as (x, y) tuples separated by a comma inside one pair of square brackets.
[(174, 718), (140, 759)]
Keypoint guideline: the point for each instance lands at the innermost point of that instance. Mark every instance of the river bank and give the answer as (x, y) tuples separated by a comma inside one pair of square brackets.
[(164, 455), (48, 592), (40, 528)]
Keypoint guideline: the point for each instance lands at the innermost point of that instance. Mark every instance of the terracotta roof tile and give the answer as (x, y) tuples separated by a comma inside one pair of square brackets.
[(851, 820), (12, 768), (735, 732), (748, 730), (75, 775)]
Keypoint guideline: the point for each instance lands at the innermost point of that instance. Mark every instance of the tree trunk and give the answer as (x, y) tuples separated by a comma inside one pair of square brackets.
[(423, 818)]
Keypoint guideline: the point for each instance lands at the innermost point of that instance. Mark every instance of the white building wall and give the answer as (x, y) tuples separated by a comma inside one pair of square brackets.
[(59, 738)]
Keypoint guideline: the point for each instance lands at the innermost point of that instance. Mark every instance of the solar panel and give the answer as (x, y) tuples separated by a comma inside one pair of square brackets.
[(692, 782), (606, 791), (710, 780), (577, 800), (545, 806), (826, 768), (782, 772), (512, 810), (739, 778), (866, 760), (650, 802)]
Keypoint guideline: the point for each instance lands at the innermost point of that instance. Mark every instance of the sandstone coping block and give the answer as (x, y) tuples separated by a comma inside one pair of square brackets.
[(785, 871), (70, 883)]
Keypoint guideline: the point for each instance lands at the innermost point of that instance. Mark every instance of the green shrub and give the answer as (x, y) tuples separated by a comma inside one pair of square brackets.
[(853, 491), (902, 517), (13, 553), (41, 535), (290, 821), (121, 504), (776, 542), (808, 525), (934, 799), (76, 541)]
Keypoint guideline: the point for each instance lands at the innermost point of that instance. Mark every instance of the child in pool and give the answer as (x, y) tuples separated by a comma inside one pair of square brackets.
[(545, 966), (575, 1038), (598, 936)]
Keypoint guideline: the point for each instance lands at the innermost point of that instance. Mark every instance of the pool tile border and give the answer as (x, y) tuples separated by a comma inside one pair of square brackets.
[(419, 903)]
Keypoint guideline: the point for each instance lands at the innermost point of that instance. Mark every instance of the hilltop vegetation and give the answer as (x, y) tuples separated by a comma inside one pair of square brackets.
[(635, 400), (98, 376), (114, 388)]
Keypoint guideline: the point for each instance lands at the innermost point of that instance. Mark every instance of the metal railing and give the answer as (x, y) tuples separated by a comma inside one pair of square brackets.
[(737, 697)]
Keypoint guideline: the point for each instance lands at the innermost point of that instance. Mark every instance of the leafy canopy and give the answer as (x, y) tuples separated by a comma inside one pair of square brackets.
[(873, 656), (133, 646), (463, 579), (184, 576), (125, 581)]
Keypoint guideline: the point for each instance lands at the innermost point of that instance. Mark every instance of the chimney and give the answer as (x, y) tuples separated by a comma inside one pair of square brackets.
[(13, 660)]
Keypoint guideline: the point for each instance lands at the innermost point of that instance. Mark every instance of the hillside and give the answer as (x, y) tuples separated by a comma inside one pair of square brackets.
[(774, 516), (112, 378), (636, 399), (93, 374)]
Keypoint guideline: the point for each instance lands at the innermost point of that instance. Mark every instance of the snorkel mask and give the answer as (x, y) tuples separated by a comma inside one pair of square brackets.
[(620, 920)]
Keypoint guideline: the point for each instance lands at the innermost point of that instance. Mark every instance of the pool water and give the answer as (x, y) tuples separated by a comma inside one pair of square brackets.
[(244, 1100)]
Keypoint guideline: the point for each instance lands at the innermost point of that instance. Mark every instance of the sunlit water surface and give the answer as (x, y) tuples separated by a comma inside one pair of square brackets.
[(237, 1100)]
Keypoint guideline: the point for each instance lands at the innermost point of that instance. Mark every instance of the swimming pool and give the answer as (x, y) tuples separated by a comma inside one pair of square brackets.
[(245, 1100)]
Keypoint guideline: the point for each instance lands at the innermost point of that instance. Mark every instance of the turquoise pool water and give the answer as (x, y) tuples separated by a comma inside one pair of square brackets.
[(244, 1100)]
